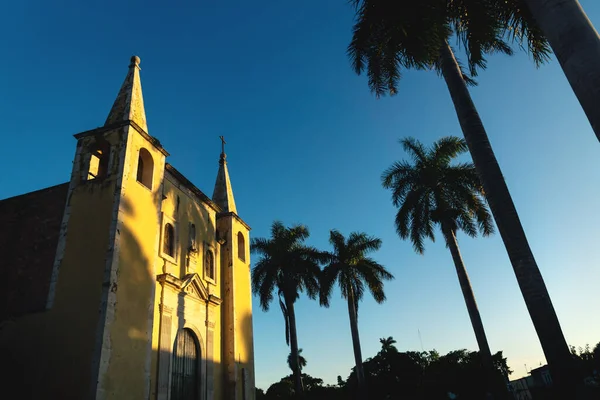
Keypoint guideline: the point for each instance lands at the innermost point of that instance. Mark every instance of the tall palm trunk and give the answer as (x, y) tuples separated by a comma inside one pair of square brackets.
[(294, 349), (467, 291), (360, 373), (528, 275), (576, 45)]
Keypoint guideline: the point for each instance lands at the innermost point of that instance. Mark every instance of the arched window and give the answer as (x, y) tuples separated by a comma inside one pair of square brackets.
[(192, 244), (185, 382), (145, 168), (209, 265), (241, 246), (169, 240), (99, 161)]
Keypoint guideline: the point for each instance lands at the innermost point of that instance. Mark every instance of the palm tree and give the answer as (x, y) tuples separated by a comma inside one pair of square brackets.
[(288, 267), (387, 344), (352, 269), (301, 361), (432, 191), (390, 35), (576, 44)]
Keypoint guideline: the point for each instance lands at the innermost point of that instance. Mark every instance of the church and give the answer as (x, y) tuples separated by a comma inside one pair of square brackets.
[(127, 282)]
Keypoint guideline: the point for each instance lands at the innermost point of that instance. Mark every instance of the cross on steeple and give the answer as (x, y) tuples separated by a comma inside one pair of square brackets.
[(223, 195), (223, 143)]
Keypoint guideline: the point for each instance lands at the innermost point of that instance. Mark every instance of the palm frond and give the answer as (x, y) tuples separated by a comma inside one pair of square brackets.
[(328, 278), (362, 243), (287, 266), (481, 213), (416, 227), (478, 30), (464, 221), (403, 220), (263, 282), (386, 38), (398, 172), (414, 148), (352, 269), (358, 291), (337, 240), (259, 245), (277, 229), (519, 26), (448, 148), (433, 190), (286, 317)]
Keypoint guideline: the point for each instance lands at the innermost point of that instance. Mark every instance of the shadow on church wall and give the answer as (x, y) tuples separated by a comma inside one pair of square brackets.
[(35, 357)]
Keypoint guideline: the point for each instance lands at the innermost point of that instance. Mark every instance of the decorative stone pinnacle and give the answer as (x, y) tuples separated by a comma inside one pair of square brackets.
[(223, 194), (135, 62), (129, 104)]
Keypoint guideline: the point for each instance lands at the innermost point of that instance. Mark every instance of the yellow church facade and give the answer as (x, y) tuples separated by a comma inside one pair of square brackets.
[(147, 294)]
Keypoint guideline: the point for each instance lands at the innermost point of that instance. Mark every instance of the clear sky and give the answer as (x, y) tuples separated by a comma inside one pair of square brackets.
[(307, 143)]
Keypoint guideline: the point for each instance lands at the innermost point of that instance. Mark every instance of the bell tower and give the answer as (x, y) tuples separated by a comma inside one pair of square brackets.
[(104, 266), (234, 234)]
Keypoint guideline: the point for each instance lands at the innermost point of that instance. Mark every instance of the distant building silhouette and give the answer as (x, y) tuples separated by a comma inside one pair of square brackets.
[(526, 387)]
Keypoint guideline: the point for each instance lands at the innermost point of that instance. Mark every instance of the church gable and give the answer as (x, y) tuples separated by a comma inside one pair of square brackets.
[(193, 286), (190, 285)]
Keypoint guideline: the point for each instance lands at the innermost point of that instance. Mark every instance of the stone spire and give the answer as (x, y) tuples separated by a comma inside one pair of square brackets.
[(223, 194), (129, 104)]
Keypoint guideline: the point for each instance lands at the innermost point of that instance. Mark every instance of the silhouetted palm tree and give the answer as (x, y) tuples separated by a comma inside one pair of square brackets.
[(301, 361), (352, 269), (287, 267), (387, 344), (576, 44), (433, 191), (391, 35)]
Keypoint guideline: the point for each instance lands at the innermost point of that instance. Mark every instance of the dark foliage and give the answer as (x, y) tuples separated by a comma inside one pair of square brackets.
[(392, 374), (426, 375), (391, 35), (301, 361), (588, 363), (433, 189), (314, 389)]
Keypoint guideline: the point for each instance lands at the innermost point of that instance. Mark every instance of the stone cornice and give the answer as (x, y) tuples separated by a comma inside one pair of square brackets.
[(178, 176), (155, 142), (235, 216), (214, 300)]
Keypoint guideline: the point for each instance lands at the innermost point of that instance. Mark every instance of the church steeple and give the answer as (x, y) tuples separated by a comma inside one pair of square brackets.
[(129, 104), (223, 194)]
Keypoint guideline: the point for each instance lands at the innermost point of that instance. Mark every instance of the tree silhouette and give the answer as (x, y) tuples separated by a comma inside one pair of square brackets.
[(349, 266), (431, 191), (301, 361), (387, 344), (576, 45), (288, 267), (391, 35)]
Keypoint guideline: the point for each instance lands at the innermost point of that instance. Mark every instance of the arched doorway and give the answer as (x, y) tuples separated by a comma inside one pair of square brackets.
[(185, 375)]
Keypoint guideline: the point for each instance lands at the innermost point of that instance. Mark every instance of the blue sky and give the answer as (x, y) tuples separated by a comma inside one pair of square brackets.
[(307, 143)]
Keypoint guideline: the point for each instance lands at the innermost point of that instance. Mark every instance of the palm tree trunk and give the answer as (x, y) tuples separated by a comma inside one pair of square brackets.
[(294, 349), (467, 291), (576, 45), (360, 373), (528, 275)]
